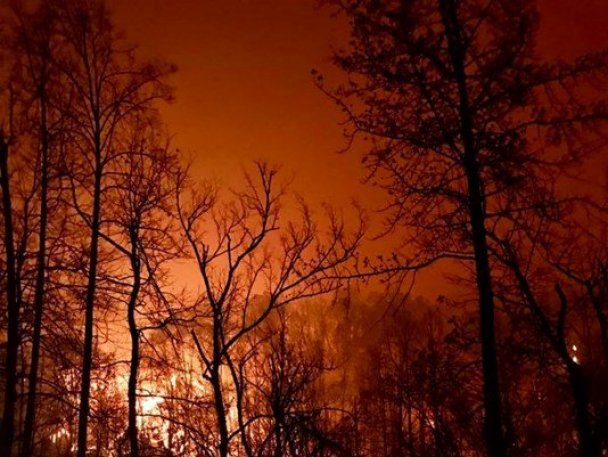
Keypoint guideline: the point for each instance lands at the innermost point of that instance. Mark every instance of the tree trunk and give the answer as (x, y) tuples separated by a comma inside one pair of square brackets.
[(278, 449), (216, 382), (239, 407), (134, 332), (491, 390), (87, 363), (220, 411), (7, 430), (587, 442), (495, 444), (30, 415)]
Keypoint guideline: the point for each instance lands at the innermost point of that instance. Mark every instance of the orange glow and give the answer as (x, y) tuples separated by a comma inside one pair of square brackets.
[(244, 90), (369, 228)]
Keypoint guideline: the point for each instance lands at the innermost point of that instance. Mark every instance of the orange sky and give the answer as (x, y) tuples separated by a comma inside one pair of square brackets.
[(244, 89), (244, 85)]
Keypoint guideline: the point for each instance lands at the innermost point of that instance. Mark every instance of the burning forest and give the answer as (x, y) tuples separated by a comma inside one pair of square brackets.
[(338, 228)]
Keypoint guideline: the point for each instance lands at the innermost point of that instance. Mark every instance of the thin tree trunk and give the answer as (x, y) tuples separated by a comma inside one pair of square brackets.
[(87, 363), (588, 446), (239, 407), (216, 382), (7, 430), (220, 412), (278, 450), (132, 431), (495, 444), (30, 415)]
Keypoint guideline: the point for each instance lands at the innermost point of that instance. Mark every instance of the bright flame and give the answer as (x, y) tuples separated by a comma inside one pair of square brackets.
[(575, 359), (150, 404), (62, 432), (153, 400)]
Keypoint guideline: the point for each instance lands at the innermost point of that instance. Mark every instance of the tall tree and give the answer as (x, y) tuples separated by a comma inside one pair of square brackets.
[(7, 431), (141, 228), (105, 86), (452, 96), (33, 43)]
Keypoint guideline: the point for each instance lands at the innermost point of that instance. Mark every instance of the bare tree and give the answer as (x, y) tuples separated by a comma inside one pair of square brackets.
[(465, 125), (141, 229), (282, 384), (556, 335), (104, 86), (553, 255), (246, 273), (33, 37)]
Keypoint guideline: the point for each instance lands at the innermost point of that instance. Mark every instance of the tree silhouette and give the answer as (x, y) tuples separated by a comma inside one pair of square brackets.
[(142, 229), (34, 41), (255, 280), (466, 128), (105, 86), (147, 312), (10, 392)]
